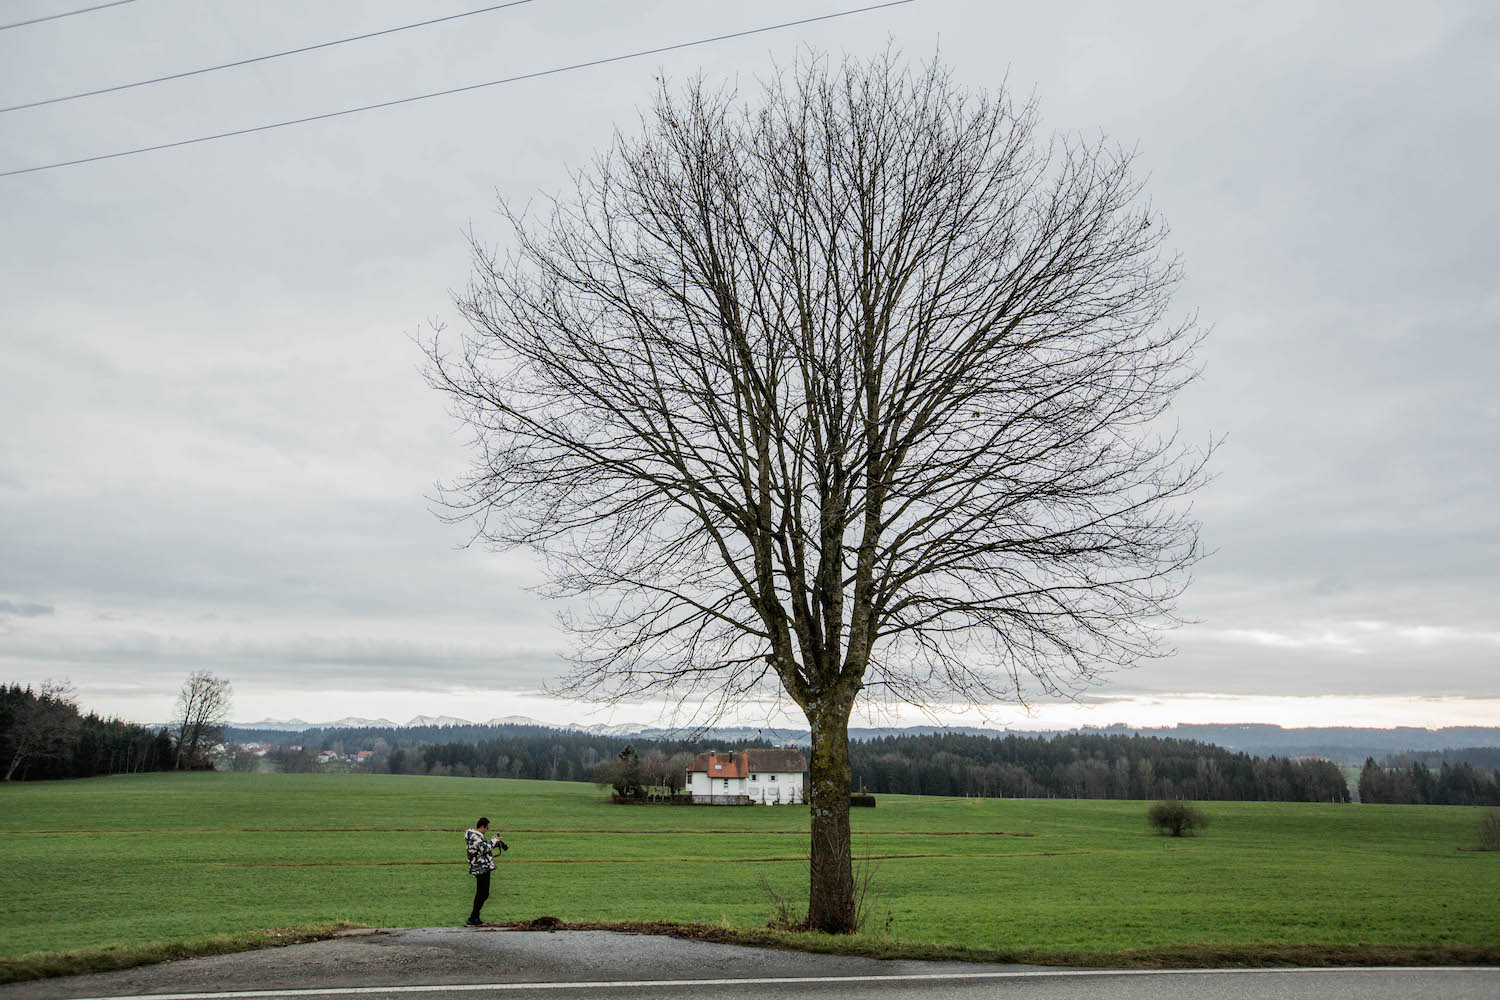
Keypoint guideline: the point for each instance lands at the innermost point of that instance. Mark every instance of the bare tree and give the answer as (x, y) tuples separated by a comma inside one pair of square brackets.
[(852, 390), (243, 759), (43, 726), (654, 768), (202, 711), (624, 774), (676, 772)]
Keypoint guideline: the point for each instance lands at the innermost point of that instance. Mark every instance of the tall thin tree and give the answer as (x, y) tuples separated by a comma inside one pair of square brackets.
[(202, 710), (852, 389)]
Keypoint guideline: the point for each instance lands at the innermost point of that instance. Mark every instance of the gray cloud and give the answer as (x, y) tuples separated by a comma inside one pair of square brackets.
[(104, 656), (25, 609), (218, 445)]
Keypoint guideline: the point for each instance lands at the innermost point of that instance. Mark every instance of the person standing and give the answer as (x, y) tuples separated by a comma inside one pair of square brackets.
[(481, 863)]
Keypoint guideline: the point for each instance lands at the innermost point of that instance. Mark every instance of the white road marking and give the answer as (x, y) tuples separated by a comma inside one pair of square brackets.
[(786, 980)]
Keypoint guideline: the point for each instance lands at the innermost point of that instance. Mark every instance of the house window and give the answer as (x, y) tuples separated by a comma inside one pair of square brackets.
[(773, 777), (726, 782), (754, 777)]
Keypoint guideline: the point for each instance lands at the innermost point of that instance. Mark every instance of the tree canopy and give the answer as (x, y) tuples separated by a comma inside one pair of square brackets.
[(854, 388)]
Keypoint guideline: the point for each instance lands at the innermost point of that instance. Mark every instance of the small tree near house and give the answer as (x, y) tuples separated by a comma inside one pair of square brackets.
[(623, 774)]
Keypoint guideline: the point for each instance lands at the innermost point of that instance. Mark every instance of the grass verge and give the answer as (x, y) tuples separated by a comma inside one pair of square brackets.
[(1205, 956), (45, 964)]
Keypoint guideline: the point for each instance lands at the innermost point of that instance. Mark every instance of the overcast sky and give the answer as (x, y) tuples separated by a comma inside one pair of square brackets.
[(217, 441)]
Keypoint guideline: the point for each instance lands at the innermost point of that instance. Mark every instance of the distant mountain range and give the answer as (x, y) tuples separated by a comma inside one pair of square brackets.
[(1348, 744), (1342, 743), (356, 722)]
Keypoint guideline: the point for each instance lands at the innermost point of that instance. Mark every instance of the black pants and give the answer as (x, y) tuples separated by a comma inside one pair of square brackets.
[(481, 893)]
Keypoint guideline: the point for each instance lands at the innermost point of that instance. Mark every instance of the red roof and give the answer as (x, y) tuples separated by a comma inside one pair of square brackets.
[(720, 765), (739, 765)]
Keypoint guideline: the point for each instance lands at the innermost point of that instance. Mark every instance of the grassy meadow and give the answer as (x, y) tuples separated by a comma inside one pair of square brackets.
[(103, 865)]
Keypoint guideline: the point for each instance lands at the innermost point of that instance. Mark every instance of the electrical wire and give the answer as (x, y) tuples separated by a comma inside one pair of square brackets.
[(66, 13), (457, 90), (256, 59)]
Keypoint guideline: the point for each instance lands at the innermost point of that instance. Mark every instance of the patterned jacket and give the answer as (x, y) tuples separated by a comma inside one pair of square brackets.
[(481, 852)]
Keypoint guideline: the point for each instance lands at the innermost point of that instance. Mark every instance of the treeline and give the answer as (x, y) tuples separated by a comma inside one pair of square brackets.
[(663, 763), (1484, 758), (1087, 766), (550, 755), (536, 752), (1415, 783), (574, 742), (1063, 766), (43, 735)]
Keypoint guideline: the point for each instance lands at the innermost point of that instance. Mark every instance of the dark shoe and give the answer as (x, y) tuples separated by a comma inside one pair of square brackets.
[(471, 922)]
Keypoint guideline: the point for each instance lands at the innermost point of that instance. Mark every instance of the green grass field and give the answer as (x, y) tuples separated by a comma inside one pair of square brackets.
[(109, 863)]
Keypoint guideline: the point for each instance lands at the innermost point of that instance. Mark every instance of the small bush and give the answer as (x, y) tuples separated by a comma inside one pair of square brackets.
[(1489, 831), (1174, 818), (862, 800)]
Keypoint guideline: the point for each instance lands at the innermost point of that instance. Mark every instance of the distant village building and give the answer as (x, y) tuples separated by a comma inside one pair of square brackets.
[(749, 777)]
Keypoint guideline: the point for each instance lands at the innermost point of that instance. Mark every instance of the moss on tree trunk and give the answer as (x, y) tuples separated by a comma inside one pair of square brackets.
[(831, 890)]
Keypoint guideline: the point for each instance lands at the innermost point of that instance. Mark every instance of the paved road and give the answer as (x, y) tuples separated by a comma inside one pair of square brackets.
[(459, 964)]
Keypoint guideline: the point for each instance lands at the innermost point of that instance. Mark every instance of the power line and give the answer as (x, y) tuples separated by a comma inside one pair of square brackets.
[(458, 90), (256, 59), (66, 13)]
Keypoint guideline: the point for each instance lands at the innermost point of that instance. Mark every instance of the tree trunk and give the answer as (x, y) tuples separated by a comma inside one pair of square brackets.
[(830, 905)]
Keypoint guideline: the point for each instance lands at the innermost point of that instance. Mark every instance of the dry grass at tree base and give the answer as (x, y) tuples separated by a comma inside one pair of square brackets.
[(1489, 830), (180, 860)]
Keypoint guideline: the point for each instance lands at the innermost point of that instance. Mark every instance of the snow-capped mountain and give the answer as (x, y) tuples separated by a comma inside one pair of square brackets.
[(360, 722), (619, 729), (280, 725), (437, 720), (355, 722)]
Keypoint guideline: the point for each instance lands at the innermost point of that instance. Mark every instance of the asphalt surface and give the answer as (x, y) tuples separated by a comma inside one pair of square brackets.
[(463, 964)]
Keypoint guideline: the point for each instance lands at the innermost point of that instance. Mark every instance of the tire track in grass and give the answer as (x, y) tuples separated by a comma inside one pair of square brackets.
[(773, 859), (515, 829)]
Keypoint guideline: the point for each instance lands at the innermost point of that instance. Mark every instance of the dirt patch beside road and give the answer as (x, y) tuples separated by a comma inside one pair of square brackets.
[(460, 955)]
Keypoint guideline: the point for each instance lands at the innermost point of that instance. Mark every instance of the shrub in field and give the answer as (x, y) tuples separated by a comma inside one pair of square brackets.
[(862, 799), (1174, 818), (1489, 831)]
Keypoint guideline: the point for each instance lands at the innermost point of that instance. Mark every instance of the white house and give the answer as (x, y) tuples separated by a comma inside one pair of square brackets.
[(750, 777)]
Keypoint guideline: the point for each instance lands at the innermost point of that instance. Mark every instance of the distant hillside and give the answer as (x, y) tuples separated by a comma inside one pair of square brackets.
[(1346, 744), (1342, 743), (1069, 765), (1481, 757)]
